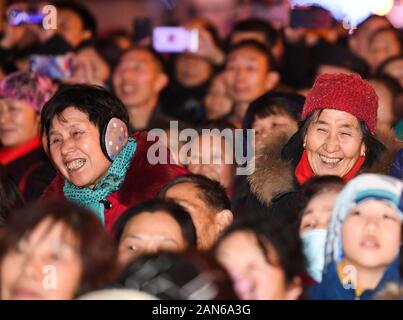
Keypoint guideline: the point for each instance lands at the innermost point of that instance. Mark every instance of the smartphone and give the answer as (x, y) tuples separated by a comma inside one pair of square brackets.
[(310, 18), (53, 66), (142, 28), (175, 39), (18, 17)]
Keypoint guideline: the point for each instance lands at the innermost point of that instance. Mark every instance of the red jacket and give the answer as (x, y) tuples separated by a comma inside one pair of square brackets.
[(142, 182)]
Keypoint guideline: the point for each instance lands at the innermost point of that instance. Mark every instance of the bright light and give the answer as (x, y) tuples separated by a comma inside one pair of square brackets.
[(381, 7), (351, 12)]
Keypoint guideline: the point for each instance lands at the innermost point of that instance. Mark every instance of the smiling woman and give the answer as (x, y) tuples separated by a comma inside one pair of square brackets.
[(336, 137), (22, 96), (54, 250), (85, 132)]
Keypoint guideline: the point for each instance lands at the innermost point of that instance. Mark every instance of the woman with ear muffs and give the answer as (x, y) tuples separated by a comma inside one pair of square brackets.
[(85, 132)]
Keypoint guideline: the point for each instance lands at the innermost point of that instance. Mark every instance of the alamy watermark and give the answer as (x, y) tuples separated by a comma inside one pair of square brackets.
[(238, 147)]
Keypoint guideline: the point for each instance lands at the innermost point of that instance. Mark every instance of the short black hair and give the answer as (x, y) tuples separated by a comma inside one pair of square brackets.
[(316, 186), (11, 198), (158, 58), (342, 57), (272, 103), (87, 18), (210, 191), (257, 46), (270, 232), (95, 101), (176, 211), (258, 25)]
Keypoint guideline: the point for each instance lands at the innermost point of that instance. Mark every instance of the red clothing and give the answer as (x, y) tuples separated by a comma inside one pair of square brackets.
[(303, 171), (142, 182), (29, 168)]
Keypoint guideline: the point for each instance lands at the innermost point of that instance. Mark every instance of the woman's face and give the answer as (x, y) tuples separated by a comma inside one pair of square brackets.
[(334, 143), (45, 265), (75, 148), (149, 233), (19, 122), (253, 277), (217, 102), (317, 213)]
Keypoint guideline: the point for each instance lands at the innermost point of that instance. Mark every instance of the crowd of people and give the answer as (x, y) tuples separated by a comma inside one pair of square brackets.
[(88, 212)]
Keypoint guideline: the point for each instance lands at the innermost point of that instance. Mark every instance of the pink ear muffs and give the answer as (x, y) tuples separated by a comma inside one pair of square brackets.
[(114, 137)]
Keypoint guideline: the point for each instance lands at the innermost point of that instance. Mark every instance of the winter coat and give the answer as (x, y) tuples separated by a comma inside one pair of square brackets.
[(31, 170), (142, 182)]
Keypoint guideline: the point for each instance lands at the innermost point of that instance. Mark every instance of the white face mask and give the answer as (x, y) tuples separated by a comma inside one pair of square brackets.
[(314, 242)]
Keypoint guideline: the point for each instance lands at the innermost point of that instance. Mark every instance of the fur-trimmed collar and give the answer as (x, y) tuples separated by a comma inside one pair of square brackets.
[(274, 176)]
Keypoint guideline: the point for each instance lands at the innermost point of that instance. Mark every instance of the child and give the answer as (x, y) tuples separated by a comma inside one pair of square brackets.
[(363, 244), (318, 196)]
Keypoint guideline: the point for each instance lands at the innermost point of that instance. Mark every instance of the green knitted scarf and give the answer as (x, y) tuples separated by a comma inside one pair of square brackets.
[(111, 182)]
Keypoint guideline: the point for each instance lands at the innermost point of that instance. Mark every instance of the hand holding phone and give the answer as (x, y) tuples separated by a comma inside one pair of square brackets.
[(175, 39)]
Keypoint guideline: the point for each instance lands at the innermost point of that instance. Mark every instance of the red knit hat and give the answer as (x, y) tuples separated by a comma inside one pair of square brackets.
[(344, 92)]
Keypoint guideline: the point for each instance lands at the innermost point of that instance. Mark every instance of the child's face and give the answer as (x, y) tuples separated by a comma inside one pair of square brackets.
[(275, 125), (371, 235), (318, 212)]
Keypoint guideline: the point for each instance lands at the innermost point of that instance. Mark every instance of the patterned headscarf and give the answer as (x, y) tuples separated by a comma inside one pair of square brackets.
[(29, 87)]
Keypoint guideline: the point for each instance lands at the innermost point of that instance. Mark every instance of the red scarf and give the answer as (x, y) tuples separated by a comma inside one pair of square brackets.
[(303, 171), (9, 154)]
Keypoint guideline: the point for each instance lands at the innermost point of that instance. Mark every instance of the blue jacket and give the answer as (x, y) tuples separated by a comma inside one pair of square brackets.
[(397, 166), (331, 287)]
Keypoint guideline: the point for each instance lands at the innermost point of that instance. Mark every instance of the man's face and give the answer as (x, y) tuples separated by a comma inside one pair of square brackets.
[(137, 79), (359, 43), (71, 27), (246, 75), (187, 195), (383, 46), (192, 70)]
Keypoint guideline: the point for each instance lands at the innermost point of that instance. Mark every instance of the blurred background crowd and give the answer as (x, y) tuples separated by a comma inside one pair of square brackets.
[(318, 216)]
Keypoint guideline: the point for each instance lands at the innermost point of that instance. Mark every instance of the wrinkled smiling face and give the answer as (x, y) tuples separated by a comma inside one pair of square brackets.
[(75, 149), (334, 143)]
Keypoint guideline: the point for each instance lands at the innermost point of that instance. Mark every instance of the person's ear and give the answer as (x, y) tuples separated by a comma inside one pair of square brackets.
[(304, 145), (363, 150), (353, 44), (161, 82), (294, 289), (272, 79), (87, 34), (223, 220)]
